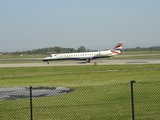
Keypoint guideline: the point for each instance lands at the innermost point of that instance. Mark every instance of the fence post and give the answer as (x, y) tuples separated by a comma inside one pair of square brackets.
[(31, 114), (132, 98)]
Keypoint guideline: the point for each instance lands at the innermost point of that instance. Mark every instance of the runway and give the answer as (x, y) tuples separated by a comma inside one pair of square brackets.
[(93, 62)]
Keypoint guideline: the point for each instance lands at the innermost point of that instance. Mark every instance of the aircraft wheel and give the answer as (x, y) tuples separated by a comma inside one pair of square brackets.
[(88, 60)]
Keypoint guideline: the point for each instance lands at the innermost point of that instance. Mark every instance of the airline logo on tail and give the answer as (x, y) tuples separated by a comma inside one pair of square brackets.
[(119, 45), (118, 48)]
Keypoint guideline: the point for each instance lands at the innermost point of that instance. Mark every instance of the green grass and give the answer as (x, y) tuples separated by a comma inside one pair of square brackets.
[(141, 52), (100, 92), (77, 75)]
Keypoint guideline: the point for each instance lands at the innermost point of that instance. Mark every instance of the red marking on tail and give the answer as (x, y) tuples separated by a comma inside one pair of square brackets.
[(120, 45)]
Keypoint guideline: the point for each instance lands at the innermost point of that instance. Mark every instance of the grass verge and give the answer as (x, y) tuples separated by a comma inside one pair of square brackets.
[(100, 92)]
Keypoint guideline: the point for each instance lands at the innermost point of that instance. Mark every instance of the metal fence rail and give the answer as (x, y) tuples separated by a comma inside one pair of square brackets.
[(140, 101)]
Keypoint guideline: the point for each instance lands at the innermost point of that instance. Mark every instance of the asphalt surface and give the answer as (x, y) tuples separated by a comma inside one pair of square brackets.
[(25, 92), (93, 62)]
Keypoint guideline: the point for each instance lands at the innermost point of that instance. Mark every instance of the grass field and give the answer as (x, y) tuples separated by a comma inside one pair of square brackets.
[(77, 75), (100, 92)]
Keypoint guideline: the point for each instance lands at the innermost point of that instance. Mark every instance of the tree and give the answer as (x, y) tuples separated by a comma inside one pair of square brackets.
[(81, 49)]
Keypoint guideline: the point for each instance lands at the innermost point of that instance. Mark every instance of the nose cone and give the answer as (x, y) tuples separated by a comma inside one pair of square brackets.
[(45, 60)]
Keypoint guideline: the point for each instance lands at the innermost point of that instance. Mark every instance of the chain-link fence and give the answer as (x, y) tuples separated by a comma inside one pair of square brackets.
[(140, 101)]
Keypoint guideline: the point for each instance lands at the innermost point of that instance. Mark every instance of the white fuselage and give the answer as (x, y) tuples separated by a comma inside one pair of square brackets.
[(79, 56)]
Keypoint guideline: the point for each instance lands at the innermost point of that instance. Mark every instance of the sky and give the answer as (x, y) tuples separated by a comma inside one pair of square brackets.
[(95, 24)]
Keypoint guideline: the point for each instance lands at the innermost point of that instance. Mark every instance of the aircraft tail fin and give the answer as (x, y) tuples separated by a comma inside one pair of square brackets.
[(118, 48)]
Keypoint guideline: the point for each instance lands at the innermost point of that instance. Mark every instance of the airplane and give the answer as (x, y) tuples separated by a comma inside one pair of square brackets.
[(86, 56)]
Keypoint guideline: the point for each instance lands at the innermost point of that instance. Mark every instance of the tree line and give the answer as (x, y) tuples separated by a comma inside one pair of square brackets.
[(155, 48), (50, 50)]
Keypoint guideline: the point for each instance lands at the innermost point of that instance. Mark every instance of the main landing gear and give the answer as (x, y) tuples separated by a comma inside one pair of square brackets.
[(88, 60)]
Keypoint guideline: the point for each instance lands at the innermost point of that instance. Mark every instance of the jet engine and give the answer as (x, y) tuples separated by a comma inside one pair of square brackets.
[(103, 52)]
